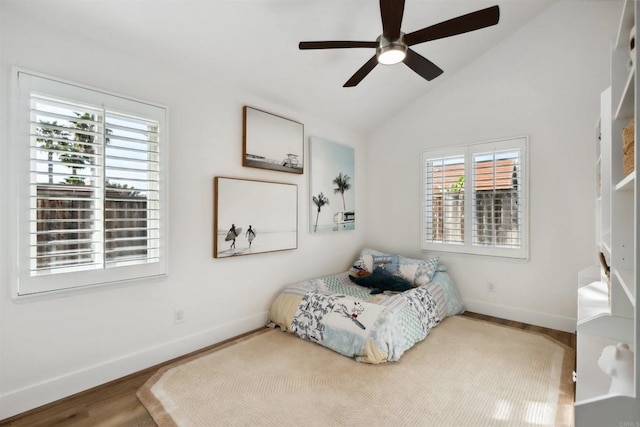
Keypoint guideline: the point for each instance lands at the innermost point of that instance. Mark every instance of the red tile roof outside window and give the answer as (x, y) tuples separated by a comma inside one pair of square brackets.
[(446, 177)]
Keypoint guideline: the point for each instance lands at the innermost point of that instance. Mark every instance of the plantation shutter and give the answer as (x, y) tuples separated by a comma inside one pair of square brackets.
[(132, 197), (92, 190), (65, 191), (497, 199), (444, 199), (475, 199)]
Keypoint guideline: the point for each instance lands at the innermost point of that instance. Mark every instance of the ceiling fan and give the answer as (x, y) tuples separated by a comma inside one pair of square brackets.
[(392, 46)]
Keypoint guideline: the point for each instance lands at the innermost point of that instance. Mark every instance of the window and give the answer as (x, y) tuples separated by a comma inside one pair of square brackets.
[(475, 199), (91, 182)]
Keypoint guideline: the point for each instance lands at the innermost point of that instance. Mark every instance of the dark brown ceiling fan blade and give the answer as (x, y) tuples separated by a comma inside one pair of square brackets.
[(421, 65), (391, 12), (462, 24), (338, 44), (362, 72), (390, 46)]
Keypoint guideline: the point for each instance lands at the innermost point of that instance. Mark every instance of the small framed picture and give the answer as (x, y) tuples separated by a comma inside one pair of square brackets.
[(253, 217), (272, 142)]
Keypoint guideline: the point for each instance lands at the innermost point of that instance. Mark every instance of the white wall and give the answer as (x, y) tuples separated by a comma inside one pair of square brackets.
[(52, 347), (544, 82)]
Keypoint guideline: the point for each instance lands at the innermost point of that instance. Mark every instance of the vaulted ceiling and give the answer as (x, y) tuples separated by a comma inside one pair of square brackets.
[(255, 43)]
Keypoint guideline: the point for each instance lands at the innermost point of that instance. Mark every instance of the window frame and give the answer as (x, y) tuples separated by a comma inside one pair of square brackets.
[(25, 284), (468, 150)]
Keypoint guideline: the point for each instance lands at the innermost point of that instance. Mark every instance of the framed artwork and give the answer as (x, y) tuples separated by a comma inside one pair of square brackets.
[(252, 217), (332, 201), (272, 142)]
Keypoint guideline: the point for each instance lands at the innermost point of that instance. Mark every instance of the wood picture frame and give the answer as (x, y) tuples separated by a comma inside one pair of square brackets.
[(271, 142), (252, 217)]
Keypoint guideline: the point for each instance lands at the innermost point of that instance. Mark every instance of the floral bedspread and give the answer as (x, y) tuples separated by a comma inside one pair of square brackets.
[(342, 316)]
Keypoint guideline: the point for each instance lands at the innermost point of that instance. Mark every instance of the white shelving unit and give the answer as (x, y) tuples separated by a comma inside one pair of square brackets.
[(608, 312)]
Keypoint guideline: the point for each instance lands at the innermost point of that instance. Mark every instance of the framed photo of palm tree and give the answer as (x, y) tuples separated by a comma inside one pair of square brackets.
[(332, 200), (252, 217)]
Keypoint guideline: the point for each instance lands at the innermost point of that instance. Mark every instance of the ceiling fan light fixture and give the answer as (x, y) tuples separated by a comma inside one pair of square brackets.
[(391, 52), (392, 46)]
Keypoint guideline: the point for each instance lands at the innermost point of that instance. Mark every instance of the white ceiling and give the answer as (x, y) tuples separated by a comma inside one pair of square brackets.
[(255, 42)]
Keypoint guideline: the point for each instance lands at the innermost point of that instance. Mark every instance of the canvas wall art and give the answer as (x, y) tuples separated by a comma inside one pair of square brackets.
[(332, 193), (272, 142), (252, 217)]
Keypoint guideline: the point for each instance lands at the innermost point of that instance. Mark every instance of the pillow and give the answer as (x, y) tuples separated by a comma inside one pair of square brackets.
[(380, 281), (388, 263), (419, 271), (454, 302), (425, 271), (416, 271), (408, 271), (366, 258)]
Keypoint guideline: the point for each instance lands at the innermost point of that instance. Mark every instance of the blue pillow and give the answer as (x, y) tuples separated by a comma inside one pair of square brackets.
[(380, 281), (455, 305), (388, 263)]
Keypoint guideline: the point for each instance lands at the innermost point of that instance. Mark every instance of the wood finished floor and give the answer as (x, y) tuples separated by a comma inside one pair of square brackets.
[(116, 404)]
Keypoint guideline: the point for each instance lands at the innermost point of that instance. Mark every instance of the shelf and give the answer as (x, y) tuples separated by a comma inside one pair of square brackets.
[(618, 329), (625, 107), (590, 274), (592, 382), (593, 301), (626, 23), (628, 183), (607, 310), (600, 411), (626, 278)]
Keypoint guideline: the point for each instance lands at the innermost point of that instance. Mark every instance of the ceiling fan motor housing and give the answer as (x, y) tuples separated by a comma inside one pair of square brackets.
[(391, 52)]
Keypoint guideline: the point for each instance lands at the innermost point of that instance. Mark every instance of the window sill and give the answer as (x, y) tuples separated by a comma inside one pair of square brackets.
[(79, 290)]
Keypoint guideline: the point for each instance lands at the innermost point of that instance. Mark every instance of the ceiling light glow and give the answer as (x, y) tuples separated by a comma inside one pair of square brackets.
[(391, 56)]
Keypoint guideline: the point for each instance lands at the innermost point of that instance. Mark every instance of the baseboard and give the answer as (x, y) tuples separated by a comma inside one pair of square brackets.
[(33, 396), (537, 318)]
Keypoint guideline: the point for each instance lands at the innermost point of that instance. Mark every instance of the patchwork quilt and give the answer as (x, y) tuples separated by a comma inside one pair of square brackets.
[(334, 312)]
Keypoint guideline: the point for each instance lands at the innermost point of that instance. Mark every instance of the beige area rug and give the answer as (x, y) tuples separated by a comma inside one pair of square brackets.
[(466, 373)]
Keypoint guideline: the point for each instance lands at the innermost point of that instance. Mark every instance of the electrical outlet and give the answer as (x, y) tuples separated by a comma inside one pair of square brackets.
[(490, 287), (178, 315)]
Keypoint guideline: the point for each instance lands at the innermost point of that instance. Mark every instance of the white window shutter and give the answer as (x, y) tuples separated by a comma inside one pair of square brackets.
[(132, 191), (497, 199), (475, 199), (65, 187), (92, 205), (444, 206)]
